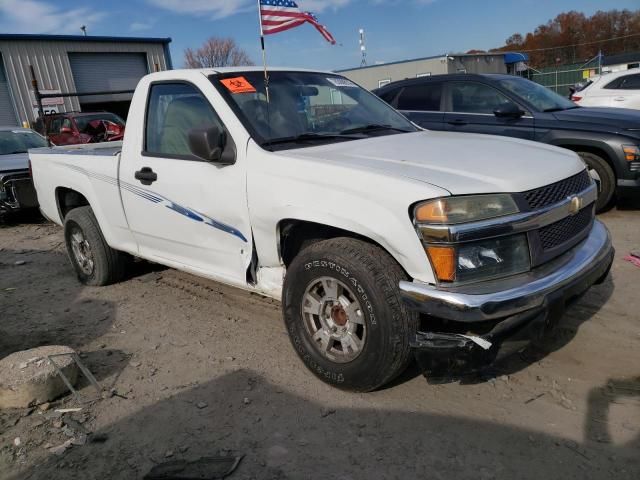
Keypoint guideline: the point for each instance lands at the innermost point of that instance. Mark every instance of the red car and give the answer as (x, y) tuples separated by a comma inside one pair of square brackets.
[(78, 128)]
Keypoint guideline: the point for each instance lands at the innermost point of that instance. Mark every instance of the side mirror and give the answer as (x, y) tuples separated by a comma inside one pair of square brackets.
[(210, 144), (508, 110), (66, 130)]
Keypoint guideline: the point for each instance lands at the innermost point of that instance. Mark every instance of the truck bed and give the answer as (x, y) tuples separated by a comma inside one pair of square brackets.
[(107, 149), (91, 170)]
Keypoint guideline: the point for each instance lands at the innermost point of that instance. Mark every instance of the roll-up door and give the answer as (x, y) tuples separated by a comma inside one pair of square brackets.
[(98, 72)]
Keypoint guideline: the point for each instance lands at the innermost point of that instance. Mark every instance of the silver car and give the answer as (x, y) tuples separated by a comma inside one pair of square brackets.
[(16, 186)]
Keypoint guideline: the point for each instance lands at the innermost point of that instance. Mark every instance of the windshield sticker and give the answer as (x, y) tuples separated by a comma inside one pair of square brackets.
[(238, 85), (341, 82)]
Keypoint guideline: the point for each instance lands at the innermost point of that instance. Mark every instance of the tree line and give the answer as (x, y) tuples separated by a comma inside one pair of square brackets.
[(573, 37)]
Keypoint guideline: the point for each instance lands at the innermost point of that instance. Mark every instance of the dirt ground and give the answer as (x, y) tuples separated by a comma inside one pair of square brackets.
[(200, 369)]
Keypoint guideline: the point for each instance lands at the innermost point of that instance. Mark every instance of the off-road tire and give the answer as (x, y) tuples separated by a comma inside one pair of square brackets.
[(607, 179), (109, 265), (374, 277)]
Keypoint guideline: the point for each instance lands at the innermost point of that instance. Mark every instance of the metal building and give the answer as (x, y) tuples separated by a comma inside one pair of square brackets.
[(375, 76), (69, 63)]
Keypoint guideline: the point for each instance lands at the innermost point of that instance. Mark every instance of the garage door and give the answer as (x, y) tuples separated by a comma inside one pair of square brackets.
[(7, 112), (99, 72)]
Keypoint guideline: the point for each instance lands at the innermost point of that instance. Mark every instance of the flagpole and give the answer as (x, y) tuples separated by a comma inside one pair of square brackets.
[(264, 54)]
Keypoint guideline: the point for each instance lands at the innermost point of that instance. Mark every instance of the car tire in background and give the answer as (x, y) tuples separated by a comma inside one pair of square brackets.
[(342, 308), (604, 176), (95, 263)]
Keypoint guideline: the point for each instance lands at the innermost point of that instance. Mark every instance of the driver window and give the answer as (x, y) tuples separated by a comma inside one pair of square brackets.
[(55, 125), (469, 97), (67, 124), (174, 109)]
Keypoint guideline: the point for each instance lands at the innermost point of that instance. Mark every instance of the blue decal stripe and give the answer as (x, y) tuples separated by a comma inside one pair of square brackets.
[(157, 198)]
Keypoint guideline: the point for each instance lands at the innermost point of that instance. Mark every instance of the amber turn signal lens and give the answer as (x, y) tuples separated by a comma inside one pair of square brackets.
[(443, 260), (431, 212), (631, 153)]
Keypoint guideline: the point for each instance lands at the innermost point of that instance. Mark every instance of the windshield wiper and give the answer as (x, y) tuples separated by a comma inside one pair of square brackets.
[(374, 127), (308, 137)]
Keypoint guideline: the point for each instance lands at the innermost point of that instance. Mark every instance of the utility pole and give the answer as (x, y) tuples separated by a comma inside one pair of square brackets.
[(84, 30), (363, 49)]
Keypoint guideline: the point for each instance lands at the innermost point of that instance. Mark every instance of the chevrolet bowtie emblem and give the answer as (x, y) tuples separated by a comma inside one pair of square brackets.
[(575, 204)]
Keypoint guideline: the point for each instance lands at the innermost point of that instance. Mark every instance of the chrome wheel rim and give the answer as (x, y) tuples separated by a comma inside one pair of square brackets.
[(82, 251), (334, 319)]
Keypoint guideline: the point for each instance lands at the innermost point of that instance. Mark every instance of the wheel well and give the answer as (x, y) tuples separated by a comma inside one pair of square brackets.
[(68, 199), (595, 150), (294, 235)]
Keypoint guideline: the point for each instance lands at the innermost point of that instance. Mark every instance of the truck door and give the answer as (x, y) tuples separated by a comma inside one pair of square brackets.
[(180, 208), (471, 107)]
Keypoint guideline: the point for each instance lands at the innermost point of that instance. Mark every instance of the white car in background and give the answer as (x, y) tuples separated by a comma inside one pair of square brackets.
[(618, 89)]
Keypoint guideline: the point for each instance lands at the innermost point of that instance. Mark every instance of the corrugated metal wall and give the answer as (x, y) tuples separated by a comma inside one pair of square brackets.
[(51, 64), (371, 76), (7, 111)]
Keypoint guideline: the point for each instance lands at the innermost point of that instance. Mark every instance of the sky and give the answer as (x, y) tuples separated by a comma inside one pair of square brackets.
[(395, 29)]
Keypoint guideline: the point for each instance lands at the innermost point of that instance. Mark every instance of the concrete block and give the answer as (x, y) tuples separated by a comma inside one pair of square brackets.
[(27, 378)]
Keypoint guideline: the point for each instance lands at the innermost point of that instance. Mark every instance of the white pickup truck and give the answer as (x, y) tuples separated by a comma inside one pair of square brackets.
[(380, 239)]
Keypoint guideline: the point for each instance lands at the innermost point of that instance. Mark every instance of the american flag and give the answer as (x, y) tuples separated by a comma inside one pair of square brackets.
[(280, 15)]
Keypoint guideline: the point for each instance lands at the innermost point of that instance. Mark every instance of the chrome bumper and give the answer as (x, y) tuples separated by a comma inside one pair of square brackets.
[(566, 276)]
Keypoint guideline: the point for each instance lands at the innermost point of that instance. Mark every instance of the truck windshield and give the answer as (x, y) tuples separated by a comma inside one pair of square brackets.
[(307, 108), (19, 141)]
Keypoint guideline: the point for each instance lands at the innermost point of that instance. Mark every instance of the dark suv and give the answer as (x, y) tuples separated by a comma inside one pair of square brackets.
[(607, 139)]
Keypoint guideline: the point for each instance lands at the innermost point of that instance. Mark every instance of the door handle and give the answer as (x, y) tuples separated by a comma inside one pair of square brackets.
[(457, 122), (146, 176), (619, 99)]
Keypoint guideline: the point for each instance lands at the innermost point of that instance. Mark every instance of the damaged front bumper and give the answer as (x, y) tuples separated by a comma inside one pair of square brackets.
[(16, 191), (491, 320)]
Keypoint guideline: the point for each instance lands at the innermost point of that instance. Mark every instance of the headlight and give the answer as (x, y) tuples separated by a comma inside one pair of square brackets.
[(478, 260), (483, 260), (470, 208)]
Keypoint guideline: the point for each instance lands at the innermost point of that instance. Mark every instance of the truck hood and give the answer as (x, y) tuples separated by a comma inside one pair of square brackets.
[(615, 118), (461, 163), (16, 161)]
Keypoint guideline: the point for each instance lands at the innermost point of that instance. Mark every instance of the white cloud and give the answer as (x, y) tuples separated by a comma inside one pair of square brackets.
[(214, 8), (225, 8), (140, 26), (318, 6), (34, 16)]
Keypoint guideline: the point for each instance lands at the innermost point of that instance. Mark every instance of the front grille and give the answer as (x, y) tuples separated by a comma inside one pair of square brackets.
[(545, 196), (564, 230), (18, 191)]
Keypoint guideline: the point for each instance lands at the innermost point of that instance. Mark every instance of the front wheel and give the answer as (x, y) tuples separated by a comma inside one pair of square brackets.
[(95, 263), (344, 315), (605, 179)]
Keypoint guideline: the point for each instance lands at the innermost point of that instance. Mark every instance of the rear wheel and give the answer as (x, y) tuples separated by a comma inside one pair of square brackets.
[(343, 312), (93, 260), (605, 179)]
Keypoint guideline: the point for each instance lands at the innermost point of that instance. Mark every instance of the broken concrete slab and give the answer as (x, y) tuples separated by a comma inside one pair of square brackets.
[(28, 378)]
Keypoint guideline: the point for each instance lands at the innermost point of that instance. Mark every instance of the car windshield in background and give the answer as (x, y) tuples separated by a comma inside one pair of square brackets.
[(19, 141), (306, 109), (84, 121), (540, 97)]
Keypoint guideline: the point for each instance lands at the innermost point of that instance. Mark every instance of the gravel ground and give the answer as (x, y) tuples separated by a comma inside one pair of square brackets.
[(200, 369)]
